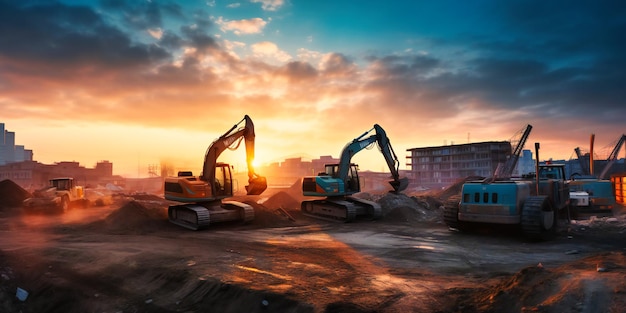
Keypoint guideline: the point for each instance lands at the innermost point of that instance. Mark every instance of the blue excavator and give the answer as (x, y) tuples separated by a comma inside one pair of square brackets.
[(340, 181)]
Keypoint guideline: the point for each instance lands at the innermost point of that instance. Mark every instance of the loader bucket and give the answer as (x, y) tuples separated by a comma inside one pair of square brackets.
[(400, 184), (256, 186)]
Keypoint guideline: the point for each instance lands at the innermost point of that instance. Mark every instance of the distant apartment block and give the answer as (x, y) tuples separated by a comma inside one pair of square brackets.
[(31, 175), (442, 166), (285, 173), (9, 152)]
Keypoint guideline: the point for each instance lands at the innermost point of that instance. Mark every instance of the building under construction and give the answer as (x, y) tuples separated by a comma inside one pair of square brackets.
[(438, 167)]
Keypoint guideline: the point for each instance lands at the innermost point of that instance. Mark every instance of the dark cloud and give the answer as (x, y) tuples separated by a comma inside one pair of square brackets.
[(298, 71), (338, 65), (68, 35), (199, 39), (555, 60)]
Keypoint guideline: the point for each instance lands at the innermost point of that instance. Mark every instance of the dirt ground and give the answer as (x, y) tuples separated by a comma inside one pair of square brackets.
[(124, 256)]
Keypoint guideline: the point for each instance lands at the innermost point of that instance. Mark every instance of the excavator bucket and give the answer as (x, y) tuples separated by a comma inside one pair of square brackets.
[(256, 186), (400, 184)]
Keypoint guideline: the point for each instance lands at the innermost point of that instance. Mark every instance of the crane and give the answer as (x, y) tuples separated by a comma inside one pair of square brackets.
[(340, 181), (505, 170), (613, 156)]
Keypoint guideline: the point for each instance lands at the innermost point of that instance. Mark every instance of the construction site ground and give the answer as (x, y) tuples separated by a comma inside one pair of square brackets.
[(124, 256)]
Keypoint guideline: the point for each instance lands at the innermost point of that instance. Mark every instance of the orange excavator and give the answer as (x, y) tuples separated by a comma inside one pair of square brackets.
[(202, 195)]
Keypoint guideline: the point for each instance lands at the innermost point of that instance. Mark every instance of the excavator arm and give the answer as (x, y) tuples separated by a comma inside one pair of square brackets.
[(583, 164), (613, 156), (504, 171), (257, 184), (384, 144)]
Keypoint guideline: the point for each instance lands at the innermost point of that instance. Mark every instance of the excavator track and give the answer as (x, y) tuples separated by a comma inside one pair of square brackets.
[(341, 210), (197, 217), (539, 221), (194, 217), (451, 212)]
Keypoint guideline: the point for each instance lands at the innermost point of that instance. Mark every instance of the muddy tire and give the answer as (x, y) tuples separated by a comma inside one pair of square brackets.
[(65, 204), (539, 219), (451, 212)]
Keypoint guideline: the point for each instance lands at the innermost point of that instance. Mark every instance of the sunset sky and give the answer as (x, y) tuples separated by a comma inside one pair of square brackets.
[(142, 82)]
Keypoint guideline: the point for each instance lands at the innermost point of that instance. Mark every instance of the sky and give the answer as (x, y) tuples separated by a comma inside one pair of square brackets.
[(143, 83)]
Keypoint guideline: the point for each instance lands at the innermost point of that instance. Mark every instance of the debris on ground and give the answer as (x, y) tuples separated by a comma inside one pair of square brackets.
[(573, 287), (400, 207), (615, 224)]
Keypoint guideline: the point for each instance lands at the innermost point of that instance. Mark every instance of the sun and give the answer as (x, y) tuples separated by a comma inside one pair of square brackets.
[(255, 163)]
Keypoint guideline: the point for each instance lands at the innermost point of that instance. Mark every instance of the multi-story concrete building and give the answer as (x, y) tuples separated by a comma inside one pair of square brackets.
[(442, 166), (9, 152)]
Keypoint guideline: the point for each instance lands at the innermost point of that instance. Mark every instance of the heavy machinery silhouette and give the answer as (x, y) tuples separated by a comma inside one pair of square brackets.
[(612, 157), (203, 195), (340, 181), (532, 204), (61, 194), (590, 193)]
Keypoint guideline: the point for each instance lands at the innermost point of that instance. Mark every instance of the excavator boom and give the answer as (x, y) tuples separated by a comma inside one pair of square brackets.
[(257, 184)]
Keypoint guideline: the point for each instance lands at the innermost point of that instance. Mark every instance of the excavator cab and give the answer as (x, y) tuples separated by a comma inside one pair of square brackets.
[(549, 171), (352, 183), (223, 181)]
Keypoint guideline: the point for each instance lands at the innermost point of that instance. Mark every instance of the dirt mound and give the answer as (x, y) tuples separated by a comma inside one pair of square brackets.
[(281, 209), (402, 208), (134, 218), (455, 189), (282, 199), (11, 194), (146, 197), (268, 217)]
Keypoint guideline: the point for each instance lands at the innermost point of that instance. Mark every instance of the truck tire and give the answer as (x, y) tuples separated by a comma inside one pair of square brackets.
[(539, 218), (451, 212), (65, 204)]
